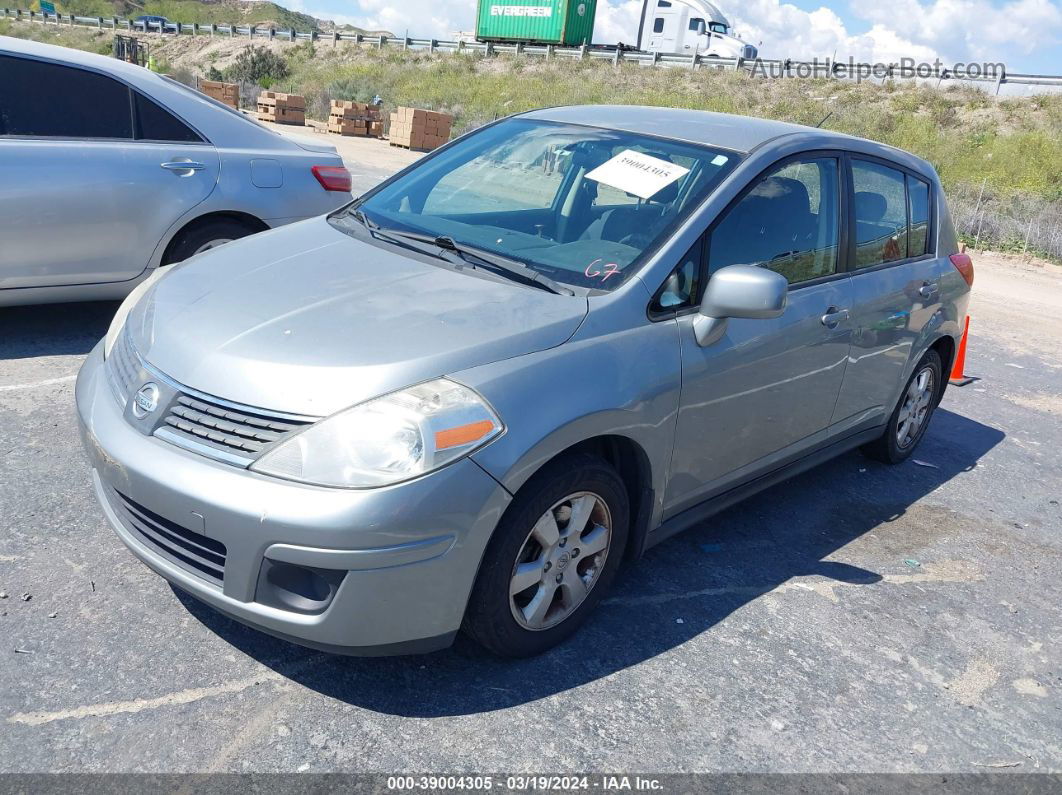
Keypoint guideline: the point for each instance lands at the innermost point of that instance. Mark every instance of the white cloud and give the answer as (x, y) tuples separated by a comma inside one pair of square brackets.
[(422, 18), (617, 21), (954, 30), (784, 31), (967, 29)]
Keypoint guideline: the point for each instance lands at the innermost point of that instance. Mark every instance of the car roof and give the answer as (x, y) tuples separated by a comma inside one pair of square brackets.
[(727, 131), (74, 57), (219, 124)]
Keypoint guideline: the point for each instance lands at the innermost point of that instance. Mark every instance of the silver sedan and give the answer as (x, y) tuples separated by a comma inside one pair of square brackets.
[(110, 171)]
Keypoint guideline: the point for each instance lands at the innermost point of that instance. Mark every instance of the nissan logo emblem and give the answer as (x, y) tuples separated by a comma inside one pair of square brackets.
[(146, 400)]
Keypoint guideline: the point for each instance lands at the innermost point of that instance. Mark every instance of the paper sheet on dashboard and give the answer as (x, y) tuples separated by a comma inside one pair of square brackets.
[(638, 173)]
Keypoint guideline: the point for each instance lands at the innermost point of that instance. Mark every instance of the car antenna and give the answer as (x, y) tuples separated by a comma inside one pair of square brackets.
[(824, 118)]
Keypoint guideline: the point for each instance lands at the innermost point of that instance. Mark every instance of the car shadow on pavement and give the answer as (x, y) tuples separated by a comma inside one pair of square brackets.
[(680, 589), (53, 329)]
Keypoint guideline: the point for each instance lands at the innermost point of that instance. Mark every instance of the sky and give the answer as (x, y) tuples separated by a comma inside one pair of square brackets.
[(1026, 35)]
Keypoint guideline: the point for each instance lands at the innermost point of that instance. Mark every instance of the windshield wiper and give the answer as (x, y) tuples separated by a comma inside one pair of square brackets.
[(482, 258), (503, 265), (398, 237), (471, 255)]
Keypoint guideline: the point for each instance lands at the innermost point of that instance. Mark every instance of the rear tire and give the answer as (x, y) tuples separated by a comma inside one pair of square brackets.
[(912, 414), (551, 559), (202, 237)]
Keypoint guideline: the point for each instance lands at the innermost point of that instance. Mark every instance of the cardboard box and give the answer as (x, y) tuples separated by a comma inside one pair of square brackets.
[(227, 93), (281, 108), (347, 117), (414, 128)]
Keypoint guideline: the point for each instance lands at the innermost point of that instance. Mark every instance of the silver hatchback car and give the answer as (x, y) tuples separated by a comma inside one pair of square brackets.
[(465, 398), (108, 171)]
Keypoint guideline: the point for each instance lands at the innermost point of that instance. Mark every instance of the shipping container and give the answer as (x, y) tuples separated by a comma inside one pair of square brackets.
[(569, 23)]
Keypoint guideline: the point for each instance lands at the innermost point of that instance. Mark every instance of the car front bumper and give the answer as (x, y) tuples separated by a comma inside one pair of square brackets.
[(377, 571)]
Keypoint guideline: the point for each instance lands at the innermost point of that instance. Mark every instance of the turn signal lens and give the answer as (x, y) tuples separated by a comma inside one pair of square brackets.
[(465, 434)]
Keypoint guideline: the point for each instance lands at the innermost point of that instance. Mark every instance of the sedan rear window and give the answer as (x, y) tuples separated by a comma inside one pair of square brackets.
[(581, 205)]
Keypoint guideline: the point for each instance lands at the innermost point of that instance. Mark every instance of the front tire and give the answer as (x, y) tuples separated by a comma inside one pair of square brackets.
[(912, 414), (551, 558)]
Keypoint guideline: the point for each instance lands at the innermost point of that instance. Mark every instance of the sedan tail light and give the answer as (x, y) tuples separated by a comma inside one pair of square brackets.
[(964, 265), (333, 178)]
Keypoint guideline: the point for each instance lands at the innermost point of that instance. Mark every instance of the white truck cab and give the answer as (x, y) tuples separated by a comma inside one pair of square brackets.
[(688, 26)]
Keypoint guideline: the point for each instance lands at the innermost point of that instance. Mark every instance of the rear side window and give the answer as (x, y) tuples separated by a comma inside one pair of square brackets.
[(787, 222), (918, 191), (51, 101), (658, 25), (157, 124), (880, 213)]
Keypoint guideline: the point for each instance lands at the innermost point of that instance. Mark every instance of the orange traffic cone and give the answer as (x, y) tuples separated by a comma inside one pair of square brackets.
[(958, 377)]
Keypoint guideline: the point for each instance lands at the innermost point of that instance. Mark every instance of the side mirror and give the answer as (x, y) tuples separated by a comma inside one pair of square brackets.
[(702, 29), (738, 291)]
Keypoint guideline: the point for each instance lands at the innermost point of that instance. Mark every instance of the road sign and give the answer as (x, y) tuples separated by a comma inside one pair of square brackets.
[(47, 7)]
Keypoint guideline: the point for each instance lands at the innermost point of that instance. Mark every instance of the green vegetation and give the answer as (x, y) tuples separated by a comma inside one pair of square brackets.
[(1000, 159), (257, 65), (222, 13)]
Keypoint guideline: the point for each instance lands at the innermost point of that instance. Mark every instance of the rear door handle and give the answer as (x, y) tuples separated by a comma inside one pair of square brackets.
[(928, 289), (183, 165), (834, 316)]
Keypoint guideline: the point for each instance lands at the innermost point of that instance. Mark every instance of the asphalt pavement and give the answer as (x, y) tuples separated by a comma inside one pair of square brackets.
[(857, 618)]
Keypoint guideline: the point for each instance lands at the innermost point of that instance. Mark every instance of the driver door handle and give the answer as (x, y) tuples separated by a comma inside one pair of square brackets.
[(183, 165), (834, 316)]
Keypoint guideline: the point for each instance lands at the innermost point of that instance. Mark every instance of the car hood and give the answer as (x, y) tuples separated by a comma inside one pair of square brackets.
[(308, 320)]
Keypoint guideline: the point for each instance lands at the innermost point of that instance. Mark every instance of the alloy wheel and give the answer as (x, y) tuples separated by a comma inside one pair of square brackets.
[(560, 561), (916, 406)]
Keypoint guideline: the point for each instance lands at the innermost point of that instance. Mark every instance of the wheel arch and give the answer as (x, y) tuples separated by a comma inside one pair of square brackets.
[(634, 466), (945, 348), (248, 220)]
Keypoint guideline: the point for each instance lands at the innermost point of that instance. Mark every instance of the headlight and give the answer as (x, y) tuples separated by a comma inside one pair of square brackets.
[(118, 323), (387, 440)]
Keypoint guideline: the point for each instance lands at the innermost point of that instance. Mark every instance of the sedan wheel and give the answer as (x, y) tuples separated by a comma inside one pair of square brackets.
[(551, 558), (561, 561), (915, 409), (212, 244), (910, 418)]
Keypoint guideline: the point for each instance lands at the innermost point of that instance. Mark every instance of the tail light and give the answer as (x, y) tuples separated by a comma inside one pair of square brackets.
[(333, 178), (964, 265)]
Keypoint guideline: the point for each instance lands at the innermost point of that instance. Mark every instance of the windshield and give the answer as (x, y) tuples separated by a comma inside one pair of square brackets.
[(581, 205)]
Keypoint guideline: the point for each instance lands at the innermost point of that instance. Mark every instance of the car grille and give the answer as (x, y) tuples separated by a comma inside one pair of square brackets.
[(123, 364), (210, 426), (192, 551), (216, 425)]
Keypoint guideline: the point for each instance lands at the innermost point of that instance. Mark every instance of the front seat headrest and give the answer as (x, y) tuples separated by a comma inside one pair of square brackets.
[(870, 206)]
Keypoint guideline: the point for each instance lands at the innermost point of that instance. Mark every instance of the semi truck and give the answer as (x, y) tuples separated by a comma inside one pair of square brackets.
[(688, 26), (666, 26)]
